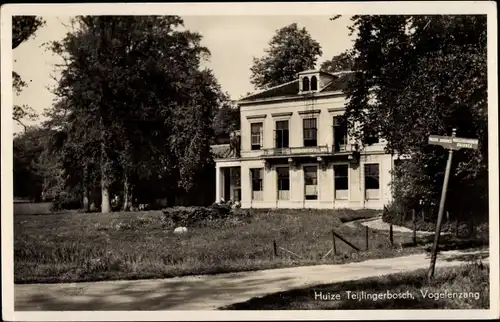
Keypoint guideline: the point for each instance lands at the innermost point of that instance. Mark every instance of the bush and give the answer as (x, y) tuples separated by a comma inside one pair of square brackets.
[(65, 201), (218, 214)]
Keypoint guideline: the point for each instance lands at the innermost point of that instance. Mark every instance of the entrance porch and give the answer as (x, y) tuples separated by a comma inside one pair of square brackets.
[(228, 182)]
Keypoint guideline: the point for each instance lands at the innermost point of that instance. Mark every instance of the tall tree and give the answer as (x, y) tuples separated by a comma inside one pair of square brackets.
[(291, 50), (423, 75), (23, 28), (127, 84), (341, 62)]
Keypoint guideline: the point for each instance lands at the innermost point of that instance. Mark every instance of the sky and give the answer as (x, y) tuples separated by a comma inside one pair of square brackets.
[(232, 40)]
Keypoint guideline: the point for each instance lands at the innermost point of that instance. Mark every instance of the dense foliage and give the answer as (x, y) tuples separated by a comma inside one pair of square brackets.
[(290, 51), (135, 109), (23, 28), (423, 75)]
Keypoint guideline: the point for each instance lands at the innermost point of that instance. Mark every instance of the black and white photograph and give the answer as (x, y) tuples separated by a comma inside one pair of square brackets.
[(249, 161)]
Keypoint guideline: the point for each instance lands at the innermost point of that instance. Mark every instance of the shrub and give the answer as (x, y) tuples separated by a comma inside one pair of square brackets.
[(65, 201), (218, 214)]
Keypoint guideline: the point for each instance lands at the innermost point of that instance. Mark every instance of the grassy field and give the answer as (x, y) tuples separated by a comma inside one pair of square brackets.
[(32, 208), (85, 247), (472, 280)]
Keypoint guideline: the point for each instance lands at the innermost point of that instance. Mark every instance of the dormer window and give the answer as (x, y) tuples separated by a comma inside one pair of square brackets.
[(305, 84), (314, 83)]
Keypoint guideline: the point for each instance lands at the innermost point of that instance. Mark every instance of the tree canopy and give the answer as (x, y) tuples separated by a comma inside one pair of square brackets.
[(291, 50), (422, 75), (126, 110), (341, 62), (23, 28)]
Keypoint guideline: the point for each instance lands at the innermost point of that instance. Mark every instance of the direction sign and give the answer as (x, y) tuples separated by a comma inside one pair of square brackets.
[(454, 143), (451, 143)]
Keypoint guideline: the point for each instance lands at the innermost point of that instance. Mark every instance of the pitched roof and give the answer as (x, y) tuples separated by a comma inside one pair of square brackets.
[(339, 82)]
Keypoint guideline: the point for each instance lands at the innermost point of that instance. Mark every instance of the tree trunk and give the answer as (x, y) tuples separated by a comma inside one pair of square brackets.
[(86, 203), (125, 193), (105, 202)]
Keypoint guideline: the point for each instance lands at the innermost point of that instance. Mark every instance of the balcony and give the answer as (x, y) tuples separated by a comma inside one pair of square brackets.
[(302, 150), (324, 150)]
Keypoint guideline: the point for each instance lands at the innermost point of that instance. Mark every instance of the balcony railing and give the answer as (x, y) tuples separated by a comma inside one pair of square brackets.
[(309, 150), (302, 150)]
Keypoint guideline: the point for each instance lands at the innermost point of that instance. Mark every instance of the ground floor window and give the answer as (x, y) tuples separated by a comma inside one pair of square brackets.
[(341, 181), (372, 181), (256, 177), (283, 174), (311, 182)]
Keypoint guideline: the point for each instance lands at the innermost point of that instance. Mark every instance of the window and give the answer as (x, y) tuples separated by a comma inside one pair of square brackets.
[(256, 136), (310, 132), (341, 181), (311, 182), (256, 176), (372, 139), (314, 83), (339, 134), (282, 136), (305, 84), (283, 183), (372, 183)]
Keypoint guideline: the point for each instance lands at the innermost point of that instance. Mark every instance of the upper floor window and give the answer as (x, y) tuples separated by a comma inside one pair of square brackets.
[(314, 83), (282, 134), (372, 138), (339, 134), (256, 135), (305, 84), (310, 132)]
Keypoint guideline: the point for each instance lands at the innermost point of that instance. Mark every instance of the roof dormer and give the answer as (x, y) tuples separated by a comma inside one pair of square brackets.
[(312, 81)]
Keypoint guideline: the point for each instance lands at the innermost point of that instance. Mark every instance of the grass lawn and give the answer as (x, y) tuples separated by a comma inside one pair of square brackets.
[(32, 208), (472, 280), (86, 247)]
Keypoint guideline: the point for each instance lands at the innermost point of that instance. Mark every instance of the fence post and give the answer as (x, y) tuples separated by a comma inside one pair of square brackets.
[(366, 236), (414, 220), (275, 249), (391, 238), (334, 247)]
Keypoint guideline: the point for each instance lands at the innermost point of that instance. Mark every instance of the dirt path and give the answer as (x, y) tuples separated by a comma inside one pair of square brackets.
[(210, 292), (377, 223)]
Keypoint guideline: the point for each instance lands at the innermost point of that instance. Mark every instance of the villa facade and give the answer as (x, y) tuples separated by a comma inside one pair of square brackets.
[(295, 151)]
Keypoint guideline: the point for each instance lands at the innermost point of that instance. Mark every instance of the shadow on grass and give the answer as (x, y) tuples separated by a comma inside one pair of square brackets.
[(448, 242), (471, 278)]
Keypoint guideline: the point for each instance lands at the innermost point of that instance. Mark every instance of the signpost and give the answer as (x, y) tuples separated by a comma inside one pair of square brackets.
[(451, 143)]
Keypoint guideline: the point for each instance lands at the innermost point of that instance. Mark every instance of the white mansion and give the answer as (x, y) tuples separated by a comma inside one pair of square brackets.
[(294, 152)]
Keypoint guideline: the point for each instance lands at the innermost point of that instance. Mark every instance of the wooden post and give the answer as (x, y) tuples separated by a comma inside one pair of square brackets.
[(275, 248), (414, 220), (440, 213), (345, 241), (456, 227), (366, 236), (391, 237), (334, 246)]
